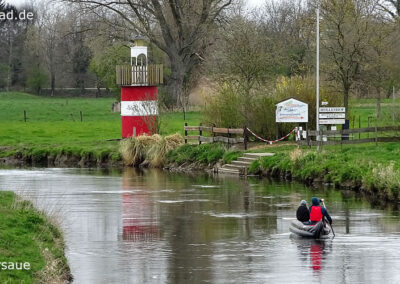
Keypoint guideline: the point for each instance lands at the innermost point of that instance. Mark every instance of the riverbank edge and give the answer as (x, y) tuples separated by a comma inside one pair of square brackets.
[(46, 234), (362, 183), (62, 161)]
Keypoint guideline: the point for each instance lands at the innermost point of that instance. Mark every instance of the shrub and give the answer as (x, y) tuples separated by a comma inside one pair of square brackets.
[(233, 107), (37, 80)]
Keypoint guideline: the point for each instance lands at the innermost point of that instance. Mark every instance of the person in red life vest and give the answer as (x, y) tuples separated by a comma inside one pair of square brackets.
[(317, 212)]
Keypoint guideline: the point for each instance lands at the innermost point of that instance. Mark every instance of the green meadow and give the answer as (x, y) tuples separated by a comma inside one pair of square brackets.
[(53, 125)]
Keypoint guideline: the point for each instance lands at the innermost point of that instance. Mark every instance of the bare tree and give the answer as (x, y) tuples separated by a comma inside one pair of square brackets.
[(48, 35), (377, 71), (180, 28), (345, 31)]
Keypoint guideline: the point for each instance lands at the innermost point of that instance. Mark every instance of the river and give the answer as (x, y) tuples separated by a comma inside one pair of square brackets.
[(157, 227)]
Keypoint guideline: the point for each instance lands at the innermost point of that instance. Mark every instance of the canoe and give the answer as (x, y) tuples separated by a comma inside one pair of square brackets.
[(317, 231)]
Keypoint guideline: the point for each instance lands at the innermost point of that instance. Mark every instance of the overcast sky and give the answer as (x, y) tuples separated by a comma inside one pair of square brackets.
[(251, 3)]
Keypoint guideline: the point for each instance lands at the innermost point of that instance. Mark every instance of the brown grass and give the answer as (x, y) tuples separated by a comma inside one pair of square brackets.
[(151, 149)]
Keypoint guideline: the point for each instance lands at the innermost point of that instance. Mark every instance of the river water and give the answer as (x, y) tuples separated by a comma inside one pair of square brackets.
[(157, 227)]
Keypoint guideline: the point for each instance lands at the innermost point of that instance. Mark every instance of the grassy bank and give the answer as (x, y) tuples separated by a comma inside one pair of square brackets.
[(205, 155), (54, 127), (27, 235), (371, 168)]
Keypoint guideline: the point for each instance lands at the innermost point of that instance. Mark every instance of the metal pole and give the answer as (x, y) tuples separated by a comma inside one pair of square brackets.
[(317, 75)]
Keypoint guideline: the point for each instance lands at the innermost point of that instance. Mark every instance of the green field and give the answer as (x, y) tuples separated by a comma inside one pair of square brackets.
[(54, 124), (26, 235)]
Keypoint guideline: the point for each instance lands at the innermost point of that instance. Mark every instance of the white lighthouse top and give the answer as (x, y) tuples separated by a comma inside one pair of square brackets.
[(139, 53)]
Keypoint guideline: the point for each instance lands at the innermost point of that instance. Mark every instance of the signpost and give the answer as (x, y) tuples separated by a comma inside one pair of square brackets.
[(331, 121), (292, 110), (332, 109), (332, 115)]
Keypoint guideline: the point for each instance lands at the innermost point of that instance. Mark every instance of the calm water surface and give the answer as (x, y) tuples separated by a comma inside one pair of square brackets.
[(155, 227)]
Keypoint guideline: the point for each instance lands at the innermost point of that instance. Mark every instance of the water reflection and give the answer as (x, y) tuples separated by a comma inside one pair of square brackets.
[(155, 227), (140, 221), (313, 253)]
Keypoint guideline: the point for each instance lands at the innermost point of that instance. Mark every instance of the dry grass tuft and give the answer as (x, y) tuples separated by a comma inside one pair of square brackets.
[(158, 151), (136, 150), (295, 155)]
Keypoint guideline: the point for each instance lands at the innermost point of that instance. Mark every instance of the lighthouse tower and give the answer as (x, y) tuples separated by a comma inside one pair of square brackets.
[(138, 81)]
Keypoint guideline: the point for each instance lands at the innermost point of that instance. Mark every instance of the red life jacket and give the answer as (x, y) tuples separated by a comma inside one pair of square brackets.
[(316, 213)]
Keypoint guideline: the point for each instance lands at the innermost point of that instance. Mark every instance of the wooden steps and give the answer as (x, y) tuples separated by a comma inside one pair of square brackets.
[(242, 164)]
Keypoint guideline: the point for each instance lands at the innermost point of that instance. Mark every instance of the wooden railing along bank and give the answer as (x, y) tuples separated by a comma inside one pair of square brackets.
[(351, 136), (229, 136)]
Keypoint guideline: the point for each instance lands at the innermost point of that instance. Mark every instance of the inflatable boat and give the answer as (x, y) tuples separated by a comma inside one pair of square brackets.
[(317, 231)]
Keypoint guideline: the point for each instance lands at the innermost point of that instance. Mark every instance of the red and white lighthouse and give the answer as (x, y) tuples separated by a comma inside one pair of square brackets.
[(138, 81)]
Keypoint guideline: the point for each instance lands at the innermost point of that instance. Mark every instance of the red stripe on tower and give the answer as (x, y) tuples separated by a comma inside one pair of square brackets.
[(139, 110)]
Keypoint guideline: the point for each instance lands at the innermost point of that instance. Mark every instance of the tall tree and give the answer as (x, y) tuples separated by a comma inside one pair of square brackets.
[(344, 36), (180, 28)]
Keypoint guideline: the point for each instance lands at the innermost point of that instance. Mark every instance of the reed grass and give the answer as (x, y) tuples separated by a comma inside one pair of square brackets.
[(148, 150)]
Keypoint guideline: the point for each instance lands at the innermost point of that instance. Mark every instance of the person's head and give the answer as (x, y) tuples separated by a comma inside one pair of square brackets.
[(315, 201), (303, 203)]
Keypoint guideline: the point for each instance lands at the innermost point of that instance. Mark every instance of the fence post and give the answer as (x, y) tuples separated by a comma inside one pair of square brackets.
[(212, 132), (25, 115), (245, 137), (359, 126), (81, 116), (341, 140), (186, 124), (376, 135), (229, 136), (200, 133)]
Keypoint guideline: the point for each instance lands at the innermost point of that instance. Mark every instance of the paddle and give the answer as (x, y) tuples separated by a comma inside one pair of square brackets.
[(323, 203)]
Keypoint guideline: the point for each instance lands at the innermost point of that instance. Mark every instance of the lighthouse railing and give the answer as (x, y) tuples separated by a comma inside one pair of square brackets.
[(136, 75)]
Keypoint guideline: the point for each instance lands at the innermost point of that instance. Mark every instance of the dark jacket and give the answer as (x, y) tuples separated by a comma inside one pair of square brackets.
[(302, 214), (315, 202)]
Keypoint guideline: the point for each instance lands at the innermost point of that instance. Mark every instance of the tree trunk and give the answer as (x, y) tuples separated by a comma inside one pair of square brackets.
[(378, 106), (53, 83), (176, 81), (98, 92), (346, 100), (9, 70)]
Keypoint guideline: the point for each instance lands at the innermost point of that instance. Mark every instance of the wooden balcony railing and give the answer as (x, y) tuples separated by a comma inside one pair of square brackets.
[(131, 75)]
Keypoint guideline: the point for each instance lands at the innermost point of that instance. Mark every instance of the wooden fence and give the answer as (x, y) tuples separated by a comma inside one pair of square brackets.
[(150, 75), (352, 136), (216, 135)]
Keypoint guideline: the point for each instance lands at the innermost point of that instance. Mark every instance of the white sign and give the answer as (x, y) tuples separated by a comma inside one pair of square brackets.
[(139, 108), (331, 121), (332, 109), (292, 110), (332, 115)]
